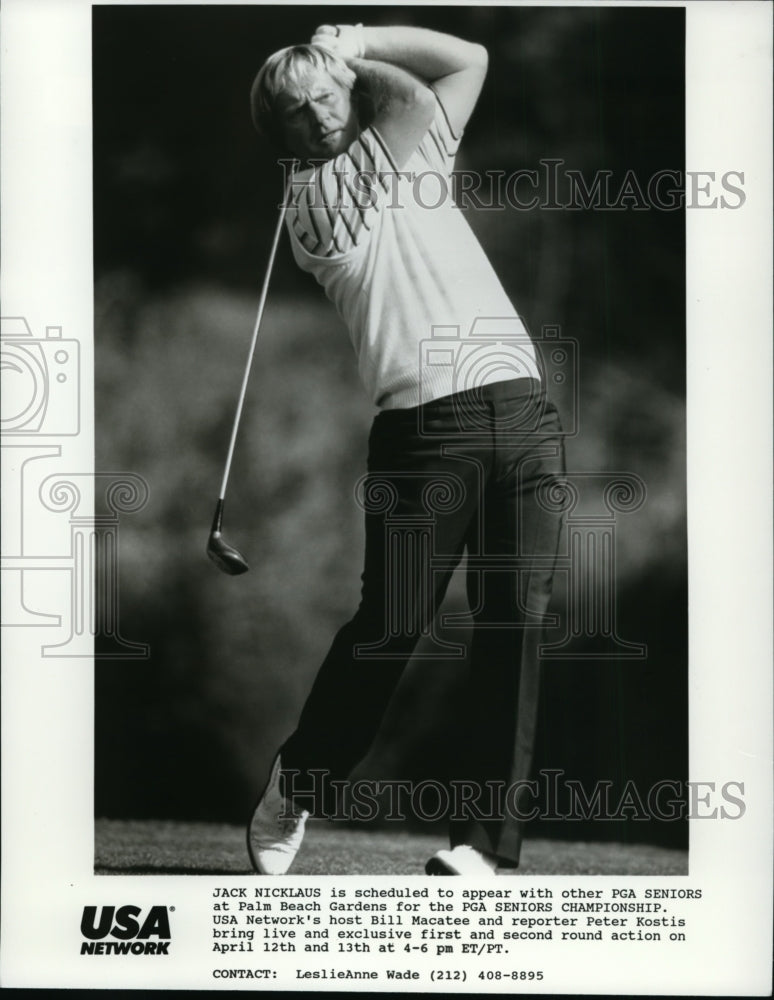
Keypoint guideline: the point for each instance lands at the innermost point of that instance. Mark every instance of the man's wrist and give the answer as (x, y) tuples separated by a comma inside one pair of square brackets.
[(347, 41), (360, 41), (351, 37)]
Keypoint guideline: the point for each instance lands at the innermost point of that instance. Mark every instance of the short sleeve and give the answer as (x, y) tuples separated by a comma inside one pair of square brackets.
[(440, 144), (334, 205)]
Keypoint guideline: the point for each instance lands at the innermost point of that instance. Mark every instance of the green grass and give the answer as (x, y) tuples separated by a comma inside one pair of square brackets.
[(152, 847)]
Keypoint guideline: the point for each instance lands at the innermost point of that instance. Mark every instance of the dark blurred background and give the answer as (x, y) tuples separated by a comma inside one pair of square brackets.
[(185, 201)]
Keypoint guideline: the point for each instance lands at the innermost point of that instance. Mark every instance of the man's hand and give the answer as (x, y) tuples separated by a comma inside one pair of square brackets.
[(343, 40)]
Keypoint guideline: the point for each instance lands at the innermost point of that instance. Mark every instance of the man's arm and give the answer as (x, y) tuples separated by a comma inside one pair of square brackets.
[(454, 68), (403, 105)]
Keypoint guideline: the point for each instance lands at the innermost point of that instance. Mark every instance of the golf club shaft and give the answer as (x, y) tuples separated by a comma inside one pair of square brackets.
[(256, 328)]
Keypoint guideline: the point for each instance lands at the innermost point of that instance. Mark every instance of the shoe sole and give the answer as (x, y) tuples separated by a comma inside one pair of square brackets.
[(437, 867)]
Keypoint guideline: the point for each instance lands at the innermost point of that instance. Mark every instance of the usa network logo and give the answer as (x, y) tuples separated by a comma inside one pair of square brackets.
[(130, 929)]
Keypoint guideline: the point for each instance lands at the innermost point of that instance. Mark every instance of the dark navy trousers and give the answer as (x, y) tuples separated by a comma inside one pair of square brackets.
[(469, 473)]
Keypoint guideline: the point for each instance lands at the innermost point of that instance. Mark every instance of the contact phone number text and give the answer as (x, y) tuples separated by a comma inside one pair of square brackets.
[(489, 975)]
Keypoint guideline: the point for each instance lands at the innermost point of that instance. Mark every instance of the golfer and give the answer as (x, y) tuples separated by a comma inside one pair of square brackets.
[(465, 443)]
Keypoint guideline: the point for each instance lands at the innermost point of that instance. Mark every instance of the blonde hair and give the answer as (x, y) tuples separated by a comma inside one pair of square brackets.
[(290, 66)]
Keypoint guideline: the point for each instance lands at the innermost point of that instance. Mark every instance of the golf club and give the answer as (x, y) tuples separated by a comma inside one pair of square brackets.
[(225, 556)]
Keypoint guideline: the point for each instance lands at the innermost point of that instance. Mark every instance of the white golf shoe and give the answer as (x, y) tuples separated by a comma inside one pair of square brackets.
[(461, 860), (276, 830)]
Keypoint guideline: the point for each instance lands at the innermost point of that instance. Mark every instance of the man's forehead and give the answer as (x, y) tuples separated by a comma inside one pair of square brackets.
[(304, 82)]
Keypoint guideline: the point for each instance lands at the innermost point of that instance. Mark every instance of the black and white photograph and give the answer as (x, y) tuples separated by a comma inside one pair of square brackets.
[(383, 387), (491, 377)]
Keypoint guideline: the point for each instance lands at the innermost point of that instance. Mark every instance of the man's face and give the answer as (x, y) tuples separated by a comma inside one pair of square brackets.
[(317, 117)]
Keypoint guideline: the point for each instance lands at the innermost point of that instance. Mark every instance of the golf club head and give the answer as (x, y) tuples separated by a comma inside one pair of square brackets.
[(225, 556)]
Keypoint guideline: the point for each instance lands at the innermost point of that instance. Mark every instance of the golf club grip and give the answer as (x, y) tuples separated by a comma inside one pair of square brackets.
[(256, 328)]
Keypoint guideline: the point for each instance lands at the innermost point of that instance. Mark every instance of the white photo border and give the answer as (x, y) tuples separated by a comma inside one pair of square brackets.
[(47, 721)]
